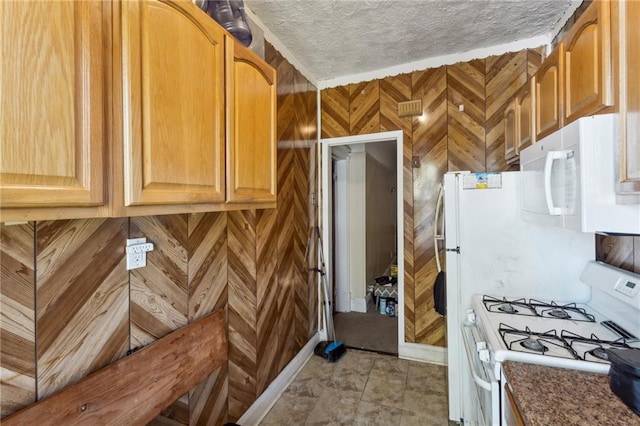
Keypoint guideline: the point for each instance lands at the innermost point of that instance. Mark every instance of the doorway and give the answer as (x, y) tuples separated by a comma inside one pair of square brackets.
[(362, 238)]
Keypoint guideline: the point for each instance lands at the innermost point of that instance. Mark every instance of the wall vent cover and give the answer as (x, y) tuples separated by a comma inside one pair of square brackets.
[(409, 108)]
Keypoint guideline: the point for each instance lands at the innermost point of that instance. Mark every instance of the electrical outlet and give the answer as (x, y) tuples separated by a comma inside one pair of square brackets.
[(136, 260), (136, 251)]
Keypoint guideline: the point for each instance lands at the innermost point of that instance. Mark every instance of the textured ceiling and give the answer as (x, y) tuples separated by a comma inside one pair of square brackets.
[(336, 38)]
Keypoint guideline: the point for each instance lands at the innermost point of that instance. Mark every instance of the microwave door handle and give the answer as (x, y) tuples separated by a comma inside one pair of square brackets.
[(548, 164)]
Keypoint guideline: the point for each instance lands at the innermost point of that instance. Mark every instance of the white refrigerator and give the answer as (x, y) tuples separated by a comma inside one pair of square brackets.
[(491, 250)]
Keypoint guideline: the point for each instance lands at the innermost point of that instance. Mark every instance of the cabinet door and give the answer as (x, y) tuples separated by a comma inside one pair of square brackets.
[(52, 145), (512, 414), (587, 63), (547, 83), (510, 132), (173, 104), (626, 30), (524, 112), (251, 128)]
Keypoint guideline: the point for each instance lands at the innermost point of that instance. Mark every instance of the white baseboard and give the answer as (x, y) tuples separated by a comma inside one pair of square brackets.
[(423, 353), (358, 304), (263, 404)]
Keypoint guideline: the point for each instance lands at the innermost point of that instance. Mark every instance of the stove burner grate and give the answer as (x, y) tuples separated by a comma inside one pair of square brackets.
[(592, 348), (504, 306), (569, 311), (546, 343)]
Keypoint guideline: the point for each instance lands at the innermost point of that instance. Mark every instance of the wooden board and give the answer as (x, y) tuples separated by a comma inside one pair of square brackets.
[(135, 389)]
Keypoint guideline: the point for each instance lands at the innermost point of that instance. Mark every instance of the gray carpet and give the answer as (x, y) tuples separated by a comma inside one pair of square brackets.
[(371, 331)]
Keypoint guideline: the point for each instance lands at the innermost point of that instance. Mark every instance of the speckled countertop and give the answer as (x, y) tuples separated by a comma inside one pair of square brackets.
[(557, 396)]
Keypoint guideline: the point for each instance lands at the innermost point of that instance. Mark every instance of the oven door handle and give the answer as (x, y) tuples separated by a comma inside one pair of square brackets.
[(474, 373)]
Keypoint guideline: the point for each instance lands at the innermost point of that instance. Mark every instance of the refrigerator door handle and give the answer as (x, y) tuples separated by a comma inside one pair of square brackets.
[(548, 165), (438, 234)]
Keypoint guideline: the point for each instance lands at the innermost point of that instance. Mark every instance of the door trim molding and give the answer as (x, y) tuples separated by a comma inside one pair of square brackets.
[(325, 214)]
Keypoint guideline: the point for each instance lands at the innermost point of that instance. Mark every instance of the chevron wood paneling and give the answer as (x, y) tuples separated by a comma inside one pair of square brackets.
[(207, 261), (159, 291), (266, 298), (17, 318), (364, 107), (301, 185), (394, 90), (285, 100), (288, 263), (534, 60), (619, 251), (207, 267), (174, 415), (314, 166), (465, 88), (430, 146), (335, 112), (82, 308), (241, 267), (505, 74), (208, 402), (300, 235)]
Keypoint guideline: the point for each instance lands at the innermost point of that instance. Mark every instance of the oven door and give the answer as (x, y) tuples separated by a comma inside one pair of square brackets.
[(485, 386)]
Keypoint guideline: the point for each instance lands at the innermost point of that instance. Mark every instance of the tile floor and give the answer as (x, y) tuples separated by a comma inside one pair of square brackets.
[(364, 388)]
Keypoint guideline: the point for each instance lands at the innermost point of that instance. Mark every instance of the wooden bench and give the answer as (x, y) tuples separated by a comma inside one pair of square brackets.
[(135, 389)]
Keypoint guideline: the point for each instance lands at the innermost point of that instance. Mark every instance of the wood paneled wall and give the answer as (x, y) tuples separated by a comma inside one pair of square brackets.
[(461, 129), (17, 318), (622, 251), (70, 307)]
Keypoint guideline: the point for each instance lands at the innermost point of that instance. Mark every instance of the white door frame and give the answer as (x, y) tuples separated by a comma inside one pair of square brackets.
[(325, 145)]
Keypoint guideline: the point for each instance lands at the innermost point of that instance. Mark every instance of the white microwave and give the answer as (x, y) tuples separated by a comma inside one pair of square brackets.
[(568, 179)]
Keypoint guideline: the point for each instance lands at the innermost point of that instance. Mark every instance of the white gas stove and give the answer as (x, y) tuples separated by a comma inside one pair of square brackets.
[(564, 334), (551, 333)]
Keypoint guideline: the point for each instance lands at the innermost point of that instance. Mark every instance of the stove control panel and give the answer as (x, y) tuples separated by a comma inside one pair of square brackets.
[(628, 288)]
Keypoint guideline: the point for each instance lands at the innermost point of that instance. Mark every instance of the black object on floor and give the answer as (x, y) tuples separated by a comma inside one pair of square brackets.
[(332, 351)]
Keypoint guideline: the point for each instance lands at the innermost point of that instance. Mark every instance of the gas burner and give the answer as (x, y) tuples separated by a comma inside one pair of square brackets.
[(507, 308), (559, 313), (511, 307), (566, 312), (533, 345), (599, 353), (547, 343), (592, 348)]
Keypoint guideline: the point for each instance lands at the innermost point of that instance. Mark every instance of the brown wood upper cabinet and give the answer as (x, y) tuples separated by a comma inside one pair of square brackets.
[(251, 127), (172, 104), (510, 132), (626, 48), (525, 117), (52, 143), (548, 94), (587, 62), (518, 124)]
